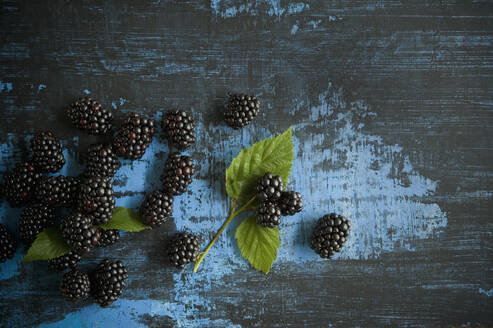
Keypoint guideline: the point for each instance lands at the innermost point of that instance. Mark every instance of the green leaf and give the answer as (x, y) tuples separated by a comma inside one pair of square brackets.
[(270, 155), (125, 219), (257, 244), (49, 244)]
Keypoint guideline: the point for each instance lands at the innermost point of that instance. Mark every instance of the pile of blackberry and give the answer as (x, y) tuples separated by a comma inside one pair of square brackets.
[(134, 136), (330, 234), (241, 110)]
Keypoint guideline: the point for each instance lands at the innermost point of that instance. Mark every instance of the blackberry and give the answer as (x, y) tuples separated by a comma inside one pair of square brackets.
[(75, 286), (8, 244), (66, 261), (156, 208), (88, 115), (241, 110), (108, 281), (183, 249), (290, 202), (268, 215), (59, 191), (269, 187), (134, 136), (108, 237), (33, 220), (79, 233), (178, 174), (96, 199), (330, 234), (101, 161), (178, 128), (47, 153), (19, 184)]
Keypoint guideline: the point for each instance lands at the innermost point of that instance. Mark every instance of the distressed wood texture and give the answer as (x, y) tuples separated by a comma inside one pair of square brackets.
[(391, 104)]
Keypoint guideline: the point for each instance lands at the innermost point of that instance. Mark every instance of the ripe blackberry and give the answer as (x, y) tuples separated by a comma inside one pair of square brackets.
[(108, 281), (108, 237), (241, 110), (134, 136), (269, 187), (8, 244), (79, 233), (156, 208), (35, 219), (183, 249), (75, 286), (47, 153), (66, 261), (96, 199), (88, 115), (268, 215), (178, 174), (330, 234), (19, 183), (59, 191), (101, 161), (178, 128), (290, 202)]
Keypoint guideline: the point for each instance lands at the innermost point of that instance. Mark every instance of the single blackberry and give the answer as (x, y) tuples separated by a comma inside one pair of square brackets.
[(8, 244), (101, 161), (108, 237), (75, 285), (330, 234), (268, 215), (66, 261), (19, 184), (183, 249), (178, 128), (269, 187), (241, 110), (290, 202), (59, 191), (156, 208), (134, 136), (47, 153), (108, 281), (96, 199), (88, 115), (35, 219), (178, 174), (79, 233)]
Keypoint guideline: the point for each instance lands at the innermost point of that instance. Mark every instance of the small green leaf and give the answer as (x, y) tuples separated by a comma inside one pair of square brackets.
[(257, 244), (49, 244), (125, 219), (270, 155)]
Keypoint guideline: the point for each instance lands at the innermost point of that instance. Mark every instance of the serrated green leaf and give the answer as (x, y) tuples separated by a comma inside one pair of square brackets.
[(49, 244), (257, 244), (125, 219), (270, 155)]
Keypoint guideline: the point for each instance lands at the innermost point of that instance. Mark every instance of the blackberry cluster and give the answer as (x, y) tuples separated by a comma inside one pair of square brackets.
[(75, 285), (156, 208), (79, 233), (88, 115), (178, 174), (47, 153), (183, 249), (241, 110), (108, 281), (18, 184), (102, 162), (178, 126), (269, 187), (66, 261), (134, 137), (330, 234), (96, 199), (34, 219), (108, 237), (59, 191), (8, 244)]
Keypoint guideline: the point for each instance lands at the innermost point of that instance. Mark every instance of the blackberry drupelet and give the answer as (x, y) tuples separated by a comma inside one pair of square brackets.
[(8, 244), (330, 234), (108, 281), (178, 128), (75, 286), (269, 187), (156, 208), (102, 161), (241, 110), (268, 215), (19, 184), (290, 202), (79, 233), (34, 219), (108, 237), (66, 261), (59, 191), (183, 249), (88, 115), (178, 174), (47, 153), (96, 199), (133, 137)]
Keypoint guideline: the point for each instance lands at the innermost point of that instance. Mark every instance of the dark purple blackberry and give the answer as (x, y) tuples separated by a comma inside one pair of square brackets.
[(241, 110), (108, 237), (34, 219), (178, 174), (8, 244), (96, 199), (178, 128), (19, 184), (108, 281), (102, 162), (79, 233), (330, 234), (183, 249), (75, 286), (268, 215), (88, 115), (269, 187), (134, 137), (59, 191), (156, 208), (47, 153), (66, 261), (290, 203)]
